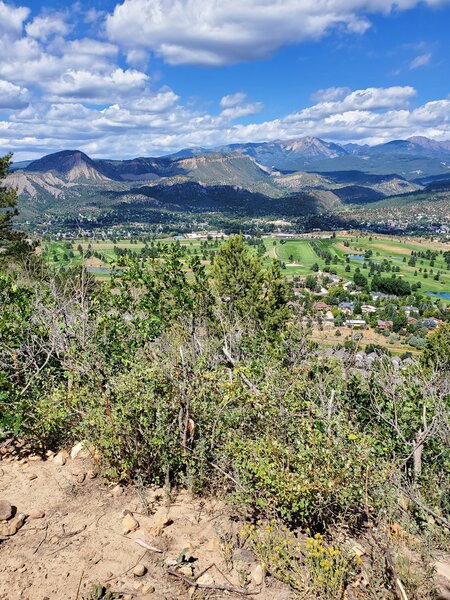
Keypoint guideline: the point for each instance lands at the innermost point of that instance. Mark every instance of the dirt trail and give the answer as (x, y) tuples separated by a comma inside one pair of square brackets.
[(81, 540)]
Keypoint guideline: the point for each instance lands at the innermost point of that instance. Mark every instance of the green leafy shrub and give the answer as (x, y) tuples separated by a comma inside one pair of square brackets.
[(133, 424), (313, 480)]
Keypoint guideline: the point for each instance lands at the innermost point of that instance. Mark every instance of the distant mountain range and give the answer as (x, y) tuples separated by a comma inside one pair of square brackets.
[(411, 159), (301, 176)]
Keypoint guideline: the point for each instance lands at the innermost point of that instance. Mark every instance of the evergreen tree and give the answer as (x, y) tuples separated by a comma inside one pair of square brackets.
[(251, 292), (10, 241)]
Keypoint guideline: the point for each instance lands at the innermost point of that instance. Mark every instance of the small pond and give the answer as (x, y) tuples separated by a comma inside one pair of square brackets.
[(442, 295), (356, 256)]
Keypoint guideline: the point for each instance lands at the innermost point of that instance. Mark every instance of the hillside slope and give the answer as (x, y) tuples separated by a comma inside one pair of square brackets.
[(305, 174)]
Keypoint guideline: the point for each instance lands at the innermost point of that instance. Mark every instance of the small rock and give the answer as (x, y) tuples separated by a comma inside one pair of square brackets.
[(79, 477), (6, 510), (186, 570), (213, 545), (91, 474), (258, 575), (129, 524), (13, 526), (77, 450), (96, 557), (60, 459), (206, 579), (149, 589), (117, 491), (37, 514), (32, 476), (165, 522), (358, 550), (139, 570), (35, 458)]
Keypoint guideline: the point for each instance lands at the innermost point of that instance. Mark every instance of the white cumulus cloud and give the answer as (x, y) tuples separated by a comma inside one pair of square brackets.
[(241, 110), (219, 32), (158, 123), (232, 100), (330, 94), (12, 96), (42, 28), (12, 19), (98, 88)]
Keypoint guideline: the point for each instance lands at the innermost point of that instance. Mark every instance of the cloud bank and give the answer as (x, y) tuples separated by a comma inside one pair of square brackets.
[(220, 32)]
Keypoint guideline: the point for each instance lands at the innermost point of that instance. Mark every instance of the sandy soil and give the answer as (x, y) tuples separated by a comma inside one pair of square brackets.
[(73, 538), (80, 541)]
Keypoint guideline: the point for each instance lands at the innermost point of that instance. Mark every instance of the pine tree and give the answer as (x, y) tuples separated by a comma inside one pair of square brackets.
[(253, 293), (10, 240)]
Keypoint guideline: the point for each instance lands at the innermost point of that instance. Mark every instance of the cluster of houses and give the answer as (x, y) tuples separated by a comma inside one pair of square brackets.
[(364, 361), (347, 308)]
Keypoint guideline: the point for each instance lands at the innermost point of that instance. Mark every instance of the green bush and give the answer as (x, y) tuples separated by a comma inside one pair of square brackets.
[(311, 481), (133, 424)]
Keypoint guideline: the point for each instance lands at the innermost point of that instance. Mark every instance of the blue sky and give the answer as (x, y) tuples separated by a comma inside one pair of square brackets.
[(148, 77)]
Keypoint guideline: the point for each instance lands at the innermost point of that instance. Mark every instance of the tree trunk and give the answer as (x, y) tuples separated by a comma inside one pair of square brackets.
[(417, 453)]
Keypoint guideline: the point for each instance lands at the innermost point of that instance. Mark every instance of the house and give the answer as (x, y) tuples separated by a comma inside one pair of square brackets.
[(379, 296), (384, 324), (346, 307), (410, 309), (430, 323), (360, 360), (368, 308), (396, 362), (334, 278), (355, 323), (321, 306)]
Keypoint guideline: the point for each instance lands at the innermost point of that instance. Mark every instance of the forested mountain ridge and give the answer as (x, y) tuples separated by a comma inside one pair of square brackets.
[(308, 174)]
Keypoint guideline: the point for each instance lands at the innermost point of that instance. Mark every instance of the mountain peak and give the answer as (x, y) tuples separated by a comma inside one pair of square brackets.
[(312, 147), (72, 164), (431, 145)]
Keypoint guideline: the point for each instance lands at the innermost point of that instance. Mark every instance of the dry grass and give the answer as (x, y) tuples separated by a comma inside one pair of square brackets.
[(327, 337)]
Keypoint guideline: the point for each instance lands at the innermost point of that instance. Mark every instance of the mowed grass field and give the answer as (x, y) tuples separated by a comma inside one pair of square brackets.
[(103, 255), (297, 254)]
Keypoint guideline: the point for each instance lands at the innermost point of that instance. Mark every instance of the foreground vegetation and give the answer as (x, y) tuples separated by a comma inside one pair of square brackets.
[(183, 378)]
